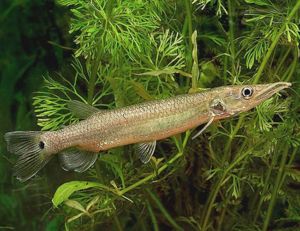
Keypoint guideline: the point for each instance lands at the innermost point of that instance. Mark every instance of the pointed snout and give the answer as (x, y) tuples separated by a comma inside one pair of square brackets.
[(268, 90)]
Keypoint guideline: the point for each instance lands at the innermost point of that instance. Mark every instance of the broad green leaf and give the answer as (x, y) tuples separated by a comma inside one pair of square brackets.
[(66, 190)]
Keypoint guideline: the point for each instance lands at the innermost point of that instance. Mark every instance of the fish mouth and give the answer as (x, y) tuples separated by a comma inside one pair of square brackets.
[(272, 89)]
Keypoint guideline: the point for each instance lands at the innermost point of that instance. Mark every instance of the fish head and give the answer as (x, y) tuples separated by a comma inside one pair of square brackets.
[(232, 100)]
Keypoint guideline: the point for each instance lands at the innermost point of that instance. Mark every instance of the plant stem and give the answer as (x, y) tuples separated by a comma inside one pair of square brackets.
[(265, 188), (160, 170), (292, 67), (225, 69), (117, 222), (190, 31), (92, 80), (282, 61), (232, 135), (220, 222), (151, 176), (276, 188), (288, 164), (275, 41), (185, 27), (280, 184), (195, 66), (231, 15), (189, 21), (163, 210), (218, 185), (220, 227), (211, 201), (152, 216)]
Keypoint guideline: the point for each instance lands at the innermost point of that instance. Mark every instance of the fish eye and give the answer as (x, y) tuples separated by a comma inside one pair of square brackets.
[(41, 145), (247, 92)]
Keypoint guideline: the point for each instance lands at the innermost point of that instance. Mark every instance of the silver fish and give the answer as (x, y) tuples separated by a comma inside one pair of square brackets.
[(143, 124)]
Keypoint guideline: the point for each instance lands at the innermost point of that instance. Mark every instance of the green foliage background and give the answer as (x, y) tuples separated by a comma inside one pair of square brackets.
[(241, 174)]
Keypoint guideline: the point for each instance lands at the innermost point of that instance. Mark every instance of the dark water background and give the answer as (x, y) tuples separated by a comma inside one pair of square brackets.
[(26, 27)]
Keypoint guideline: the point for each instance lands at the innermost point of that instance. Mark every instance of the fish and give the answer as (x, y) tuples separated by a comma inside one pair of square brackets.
[(143, 124)]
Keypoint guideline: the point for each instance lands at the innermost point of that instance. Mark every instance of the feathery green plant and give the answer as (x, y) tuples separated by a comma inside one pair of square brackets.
[(243, 169)]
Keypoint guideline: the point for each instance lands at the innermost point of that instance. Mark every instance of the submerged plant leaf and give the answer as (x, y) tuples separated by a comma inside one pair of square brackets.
[(76, 205), (258, 2), (164, 56), (64, 191), (220, 8), (115, 27), (51, 104)]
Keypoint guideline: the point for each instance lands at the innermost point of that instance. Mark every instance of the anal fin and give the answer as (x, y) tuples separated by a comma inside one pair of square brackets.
[(146, 150), (77, 160)]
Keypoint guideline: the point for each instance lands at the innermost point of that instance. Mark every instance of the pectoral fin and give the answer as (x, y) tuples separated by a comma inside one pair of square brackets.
[(203, 129), (145, 151), (82, 110), (77, 160)]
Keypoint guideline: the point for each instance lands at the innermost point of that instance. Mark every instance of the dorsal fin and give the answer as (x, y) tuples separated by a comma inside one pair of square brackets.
[(82, 110)]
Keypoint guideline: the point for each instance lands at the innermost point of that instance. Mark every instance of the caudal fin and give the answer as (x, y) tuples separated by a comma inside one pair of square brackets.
[(30, 149)]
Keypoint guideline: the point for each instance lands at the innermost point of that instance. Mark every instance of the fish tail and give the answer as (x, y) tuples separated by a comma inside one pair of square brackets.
[(31, 151)]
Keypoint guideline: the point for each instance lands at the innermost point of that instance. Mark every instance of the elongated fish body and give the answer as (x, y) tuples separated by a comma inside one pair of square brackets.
[(144, 123)]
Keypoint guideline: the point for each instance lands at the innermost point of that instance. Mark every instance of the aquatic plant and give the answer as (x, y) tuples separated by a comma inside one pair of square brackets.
[(242, 173)]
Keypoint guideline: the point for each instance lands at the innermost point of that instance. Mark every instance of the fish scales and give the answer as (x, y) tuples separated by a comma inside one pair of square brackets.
[(143, 122)]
